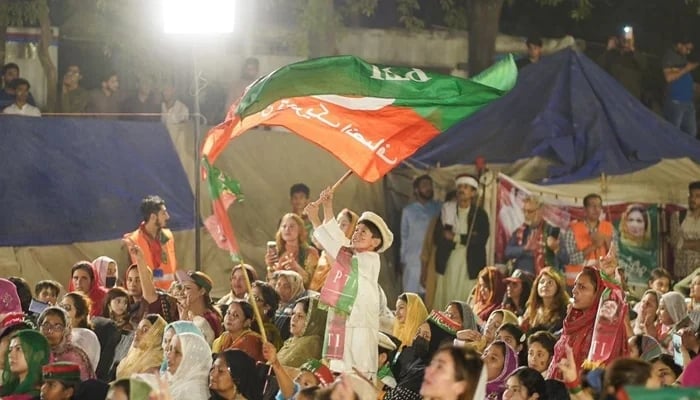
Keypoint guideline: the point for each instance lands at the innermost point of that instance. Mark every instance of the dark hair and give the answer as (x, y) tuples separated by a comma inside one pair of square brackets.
[(403, 297), (591, 196), (545, 339), (467, 366), (19, 81), (626, 371), (534, 41), (299, 188), (309, 391), (243, 372), (113, 293), (419, 179), (9, 66), (108, 75), (152, 318), (47, 284), (532, 380), (374, 230), (123, 384), (270, 297), (23, 291), (82, 307), (519, 336), (592, 275), (451, 195), (151, 205), (681, 38), (248, 313), (305, 302), (693, 186), (667, 359), (85, 266), (660, 273)]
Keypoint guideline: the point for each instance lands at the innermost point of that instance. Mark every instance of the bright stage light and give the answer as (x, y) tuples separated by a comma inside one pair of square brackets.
[(198, 16)]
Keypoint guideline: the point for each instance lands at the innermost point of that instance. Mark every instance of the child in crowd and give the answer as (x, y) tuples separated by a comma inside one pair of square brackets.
[(47, 291), (355, 326), (117, 308)]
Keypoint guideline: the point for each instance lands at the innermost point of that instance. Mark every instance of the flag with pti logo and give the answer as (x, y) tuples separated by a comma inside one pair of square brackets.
[(371, 117), (223, 191)]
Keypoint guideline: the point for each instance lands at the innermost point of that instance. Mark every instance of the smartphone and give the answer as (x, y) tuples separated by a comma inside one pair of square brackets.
[(182, 276), (37, 306), (554, 232), (272, 246), (677, 354), (628, 33)]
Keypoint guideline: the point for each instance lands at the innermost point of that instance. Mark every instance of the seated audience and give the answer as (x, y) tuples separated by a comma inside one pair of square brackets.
[(308, 324)]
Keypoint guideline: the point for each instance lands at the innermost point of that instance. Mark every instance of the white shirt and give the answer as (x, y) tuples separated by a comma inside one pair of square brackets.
[(174, 115), (27, 110)]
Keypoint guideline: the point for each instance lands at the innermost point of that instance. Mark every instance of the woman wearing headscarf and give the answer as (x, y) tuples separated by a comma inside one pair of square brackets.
[(410, 314), (130, 388), (189, 362), (172, 329), (233, 376), (86, 279), (460, 312), (54, 324), (290, 287), (145, 354), (488, 292), (644, 347), (241, 331), (87, 340), (307, 329), (21, 379), (500, 360), (673, 316), (108, 272), (347, 221), (594, 327)]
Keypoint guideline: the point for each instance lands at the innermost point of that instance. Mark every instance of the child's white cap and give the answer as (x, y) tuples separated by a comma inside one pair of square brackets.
[(387, 236)]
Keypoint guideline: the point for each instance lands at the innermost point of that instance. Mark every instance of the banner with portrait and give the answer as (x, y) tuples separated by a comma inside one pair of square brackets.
[(636, 224)]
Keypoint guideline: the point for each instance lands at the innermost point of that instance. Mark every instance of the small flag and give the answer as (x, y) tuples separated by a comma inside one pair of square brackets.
[(224, 191)]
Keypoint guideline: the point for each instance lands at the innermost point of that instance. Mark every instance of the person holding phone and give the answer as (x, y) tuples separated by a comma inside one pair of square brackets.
[(535, 244), (623, 63), (679, 106)]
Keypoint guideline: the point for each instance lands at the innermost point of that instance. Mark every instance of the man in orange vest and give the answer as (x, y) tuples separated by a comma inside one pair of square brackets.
[(588, 240), (156, 242)]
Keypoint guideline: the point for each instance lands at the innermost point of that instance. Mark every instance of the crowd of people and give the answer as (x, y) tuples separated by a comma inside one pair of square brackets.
[(317, 325)]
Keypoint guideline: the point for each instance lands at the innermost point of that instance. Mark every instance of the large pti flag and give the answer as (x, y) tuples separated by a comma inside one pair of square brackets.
[(371, 117)]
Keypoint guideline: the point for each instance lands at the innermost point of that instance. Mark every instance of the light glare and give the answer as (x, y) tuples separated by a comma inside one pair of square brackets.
[(198, 16)]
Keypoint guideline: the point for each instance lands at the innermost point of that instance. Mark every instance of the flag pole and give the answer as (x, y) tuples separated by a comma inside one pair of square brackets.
[(341, 180), (254, 303)]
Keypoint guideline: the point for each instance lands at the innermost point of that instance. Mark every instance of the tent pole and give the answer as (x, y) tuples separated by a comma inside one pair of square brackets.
[(197, 166)]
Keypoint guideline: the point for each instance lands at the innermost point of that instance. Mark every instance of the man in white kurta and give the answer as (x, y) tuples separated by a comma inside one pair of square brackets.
[(362, 324)]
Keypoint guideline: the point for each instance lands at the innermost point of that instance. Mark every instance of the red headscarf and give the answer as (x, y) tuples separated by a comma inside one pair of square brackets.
[(97, 293), (483, 307), (579, 329)]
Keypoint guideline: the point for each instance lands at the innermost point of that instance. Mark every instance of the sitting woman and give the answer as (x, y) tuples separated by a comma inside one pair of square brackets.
[(518, 288), (410, 314), (145, 354), (347, 221), (647, 314), (513, 336), (547, 303), (267, 301), (195, 301), (500, 361), (241, 331), (540, 351), (54, 324), (290, 288), (525, 383), (85, 279), (488, 292), (172, 329), (620, 373), (27, 354), (307, 329), (479, 341), (234, 376), (673, 316), (312, 373), (77, 305), (644, 347), (239, 290), (461, 313), (108, 272), (189, 363), (292, 252), (453, 374)]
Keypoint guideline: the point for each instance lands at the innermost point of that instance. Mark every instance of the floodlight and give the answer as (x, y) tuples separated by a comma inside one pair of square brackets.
[(198, 16)]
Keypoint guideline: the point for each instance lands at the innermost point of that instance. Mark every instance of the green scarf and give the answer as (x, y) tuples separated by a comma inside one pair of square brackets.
[(36, 353)]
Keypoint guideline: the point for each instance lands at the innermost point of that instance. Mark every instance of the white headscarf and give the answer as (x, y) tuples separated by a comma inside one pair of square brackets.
[(191, 380), (87, 340)]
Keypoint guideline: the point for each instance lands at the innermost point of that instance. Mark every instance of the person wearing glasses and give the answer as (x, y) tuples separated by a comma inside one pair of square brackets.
[(54, 324)]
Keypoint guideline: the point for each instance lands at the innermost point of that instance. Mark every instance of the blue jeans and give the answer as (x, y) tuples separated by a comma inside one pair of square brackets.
[(681, 115)]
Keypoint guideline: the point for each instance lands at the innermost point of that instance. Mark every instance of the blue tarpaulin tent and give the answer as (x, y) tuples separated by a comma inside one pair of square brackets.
[(568, 110), (67, 180)]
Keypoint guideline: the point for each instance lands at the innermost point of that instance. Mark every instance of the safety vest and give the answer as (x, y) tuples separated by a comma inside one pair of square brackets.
[(164, 273), (583, 240)]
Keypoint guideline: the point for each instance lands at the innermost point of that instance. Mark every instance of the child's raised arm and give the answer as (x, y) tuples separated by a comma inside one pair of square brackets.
[(326, 199)]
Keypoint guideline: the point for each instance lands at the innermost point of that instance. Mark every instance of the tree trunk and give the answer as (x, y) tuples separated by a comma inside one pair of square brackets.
[(321, 28), (3, 31), (45, 58), (483, 17)]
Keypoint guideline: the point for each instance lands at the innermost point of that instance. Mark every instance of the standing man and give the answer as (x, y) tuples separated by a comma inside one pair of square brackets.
[(106, 98), (415, 219), (685, 234), (460, 237), (74, 98), (535, 244), (588, 240), (679, 106), (155, 241), (534, 52), (298, 198)]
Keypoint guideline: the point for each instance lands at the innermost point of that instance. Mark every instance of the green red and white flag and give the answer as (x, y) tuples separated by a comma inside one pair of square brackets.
[(371, 117), (223, 191)]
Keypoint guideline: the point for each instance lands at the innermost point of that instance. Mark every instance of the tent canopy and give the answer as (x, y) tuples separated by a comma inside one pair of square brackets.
[(568, 110), (69, 180)]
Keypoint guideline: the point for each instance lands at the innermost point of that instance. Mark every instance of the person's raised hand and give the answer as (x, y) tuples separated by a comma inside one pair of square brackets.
[(567, 366), (269, 352)]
